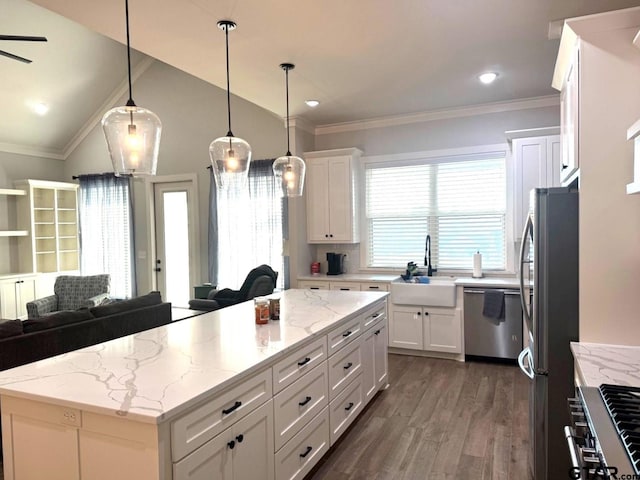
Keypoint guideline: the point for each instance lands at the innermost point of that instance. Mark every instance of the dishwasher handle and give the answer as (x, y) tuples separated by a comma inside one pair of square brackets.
[(506, 292)]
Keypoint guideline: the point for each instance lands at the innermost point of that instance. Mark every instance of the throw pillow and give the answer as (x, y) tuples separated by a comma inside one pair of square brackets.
[(10, 328), (56, 319), (151, 298)]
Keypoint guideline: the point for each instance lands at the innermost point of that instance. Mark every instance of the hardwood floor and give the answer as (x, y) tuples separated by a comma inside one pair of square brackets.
[(439, 419)]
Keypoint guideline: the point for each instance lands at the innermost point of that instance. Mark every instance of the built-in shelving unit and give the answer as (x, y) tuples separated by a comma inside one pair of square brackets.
[(633, 133), (11, 232)]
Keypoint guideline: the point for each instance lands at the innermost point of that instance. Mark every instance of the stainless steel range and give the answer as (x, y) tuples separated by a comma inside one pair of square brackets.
[(604, 439)]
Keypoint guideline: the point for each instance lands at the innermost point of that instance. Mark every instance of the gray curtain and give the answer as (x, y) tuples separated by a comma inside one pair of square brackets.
[(248, 227), (106, 231)]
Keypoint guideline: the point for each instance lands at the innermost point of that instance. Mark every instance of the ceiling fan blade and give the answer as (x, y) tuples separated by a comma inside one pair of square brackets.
[(23, 38), (15, 57)]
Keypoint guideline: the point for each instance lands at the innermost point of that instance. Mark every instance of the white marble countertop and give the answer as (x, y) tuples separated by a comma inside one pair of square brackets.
[(157, 374), (497, 282), (351, 277), (598, 363)]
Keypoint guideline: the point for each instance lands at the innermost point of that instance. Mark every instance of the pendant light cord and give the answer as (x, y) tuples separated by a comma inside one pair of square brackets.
[(130, 102), (286, 73), (226, 32)]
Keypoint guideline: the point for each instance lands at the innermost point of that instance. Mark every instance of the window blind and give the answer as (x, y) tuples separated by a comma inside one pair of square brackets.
[(461, 204)]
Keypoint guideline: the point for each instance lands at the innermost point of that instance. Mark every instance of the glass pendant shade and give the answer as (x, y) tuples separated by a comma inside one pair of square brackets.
[(133, 139), (289, 171), (230, 159)]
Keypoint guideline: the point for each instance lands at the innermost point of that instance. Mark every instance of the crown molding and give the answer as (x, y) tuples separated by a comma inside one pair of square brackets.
[(121, 90), (31, 151), (301, 124), (398, 120)]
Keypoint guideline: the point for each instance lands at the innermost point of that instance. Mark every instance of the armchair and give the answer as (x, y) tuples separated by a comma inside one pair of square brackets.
[(70, 293), (260, 281)]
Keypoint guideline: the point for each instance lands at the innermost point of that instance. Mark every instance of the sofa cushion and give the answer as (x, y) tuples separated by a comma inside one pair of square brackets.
[(56, 319), (10, 328), (151, 298)]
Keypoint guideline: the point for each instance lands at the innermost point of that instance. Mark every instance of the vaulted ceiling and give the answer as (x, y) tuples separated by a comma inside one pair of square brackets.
[(361, 59)]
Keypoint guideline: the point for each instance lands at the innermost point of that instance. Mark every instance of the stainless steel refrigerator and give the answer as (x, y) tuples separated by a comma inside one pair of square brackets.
[(549, 294)]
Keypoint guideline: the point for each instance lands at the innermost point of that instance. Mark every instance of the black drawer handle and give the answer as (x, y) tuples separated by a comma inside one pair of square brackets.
[(347, 333), (240, 438), (377, 332), (348, 366), (373, 288), (306, 452), (306, 400), (231, 444), (344, 288), (304, 362), (564, 166), (349, 407), (233, 407)]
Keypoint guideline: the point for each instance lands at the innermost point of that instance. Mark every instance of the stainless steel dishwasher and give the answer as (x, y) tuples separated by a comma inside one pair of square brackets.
[(490, 337)]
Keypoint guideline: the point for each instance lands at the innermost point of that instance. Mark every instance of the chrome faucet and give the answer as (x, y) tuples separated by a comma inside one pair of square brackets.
[(427, 257)]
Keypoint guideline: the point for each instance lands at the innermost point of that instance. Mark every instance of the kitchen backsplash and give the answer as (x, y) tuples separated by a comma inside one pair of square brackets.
[(351, 262)]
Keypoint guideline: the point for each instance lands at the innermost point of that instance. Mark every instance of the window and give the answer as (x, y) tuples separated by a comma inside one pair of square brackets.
[(460, 201), (106, 242), (249, 228)]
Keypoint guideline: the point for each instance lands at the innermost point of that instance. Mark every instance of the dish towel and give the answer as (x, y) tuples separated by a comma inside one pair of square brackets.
[(493, 304)]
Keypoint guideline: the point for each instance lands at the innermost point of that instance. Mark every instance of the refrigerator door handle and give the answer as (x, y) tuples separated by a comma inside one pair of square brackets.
[(528, 229), (528, 368)]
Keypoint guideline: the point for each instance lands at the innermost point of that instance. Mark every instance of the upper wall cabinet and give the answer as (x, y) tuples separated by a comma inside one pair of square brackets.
[(49, 212), (570, 119), (332, 196), (537, 163)]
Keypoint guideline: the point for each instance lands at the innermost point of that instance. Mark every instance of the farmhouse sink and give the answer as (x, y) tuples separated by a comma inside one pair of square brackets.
[(439, 292)]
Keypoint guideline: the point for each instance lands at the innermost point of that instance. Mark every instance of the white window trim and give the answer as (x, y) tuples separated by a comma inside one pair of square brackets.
[(436, 156)]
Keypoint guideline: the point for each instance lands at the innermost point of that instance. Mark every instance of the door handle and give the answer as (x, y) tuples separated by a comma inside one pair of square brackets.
[(527, 369), (157, 269), (528, 230)]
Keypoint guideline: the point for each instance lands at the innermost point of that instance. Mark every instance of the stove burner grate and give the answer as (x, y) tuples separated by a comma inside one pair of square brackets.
[(623, 404)]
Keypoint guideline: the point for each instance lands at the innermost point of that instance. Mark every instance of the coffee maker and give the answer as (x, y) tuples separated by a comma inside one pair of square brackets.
[(336, 263)]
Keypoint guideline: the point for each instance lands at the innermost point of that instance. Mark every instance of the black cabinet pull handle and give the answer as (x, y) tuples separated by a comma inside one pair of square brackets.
[(377, 332), (233, 407), (349, 407), (240, 438), (331, 235), (231, 444), (326, 236), (347, 333), (426, 313), (564, 166), (304, 362), (306, 452), (371, 287), (306, 400), (348, 366)]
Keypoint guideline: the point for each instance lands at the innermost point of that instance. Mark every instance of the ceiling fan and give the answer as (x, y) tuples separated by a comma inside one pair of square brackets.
[(20, 38)]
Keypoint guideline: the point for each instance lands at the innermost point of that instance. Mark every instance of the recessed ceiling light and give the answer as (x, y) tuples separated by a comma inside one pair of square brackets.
[(488, 77), (40, 108), (312, 103)]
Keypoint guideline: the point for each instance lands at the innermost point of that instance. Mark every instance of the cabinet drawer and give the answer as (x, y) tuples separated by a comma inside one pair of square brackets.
[(298, 403), (313, 285), (374, 315), (344, 286), (303, 360), (374, 287), (345, 408), (343, 335), (205, 422), (344, 366), (304, 450)]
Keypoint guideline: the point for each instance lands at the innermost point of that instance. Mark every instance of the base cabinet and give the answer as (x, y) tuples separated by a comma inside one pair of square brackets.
[(241, 452), (431, 329), (14, 294), (375, 363)]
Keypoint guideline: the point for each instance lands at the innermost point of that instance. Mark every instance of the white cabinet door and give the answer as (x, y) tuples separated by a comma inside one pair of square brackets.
[(405, 327), (346, 286), (213, 456), (442, 330), (253, 452), (380, 358), (569, 120), (537, 164), (313, 285), (340, 203), (317, 191)]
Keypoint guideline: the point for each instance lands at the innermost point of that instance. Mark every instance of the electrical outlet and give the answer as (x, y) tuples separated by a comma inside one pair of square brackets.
[(71, 416)]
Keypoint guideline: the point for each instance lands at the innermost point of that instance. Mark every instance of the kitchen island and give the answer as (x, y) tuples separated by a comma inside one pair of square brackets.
[(214, 396)]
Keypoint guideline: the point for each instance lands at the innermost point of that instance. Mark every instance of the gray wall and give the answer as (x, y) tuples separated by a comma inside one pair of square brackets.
[(193, 114)]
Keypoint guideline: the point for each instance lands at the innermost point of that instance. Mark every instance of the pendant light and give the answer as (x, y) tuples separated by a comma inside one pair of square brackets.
[(230, 156), (132, 132), (289, 170)]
